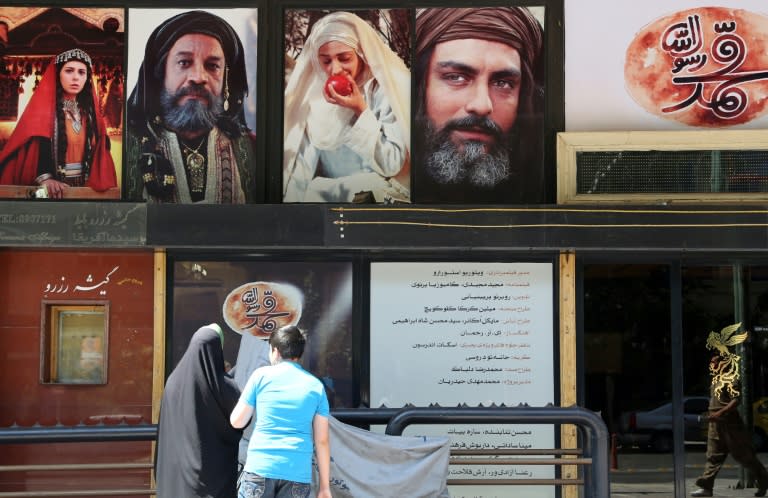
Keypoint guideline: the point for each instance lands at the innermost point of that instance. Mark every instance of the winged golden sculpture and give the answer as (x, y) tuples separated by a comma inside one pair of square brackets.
[(725, 373)]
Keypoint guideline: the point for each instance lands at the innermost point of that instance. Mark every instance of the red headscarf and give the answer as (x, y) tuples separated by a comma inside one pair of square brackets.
[(19, 158)]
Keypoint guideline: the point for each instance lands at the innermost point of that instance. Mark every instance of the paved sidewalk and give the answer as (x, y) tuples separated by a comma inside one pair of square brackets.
[(651, 475), (724, 488)]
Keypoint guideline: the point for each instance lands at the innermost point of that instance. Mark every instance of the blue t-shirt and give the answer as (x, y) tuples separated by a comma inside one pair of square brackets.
[(286, 399)]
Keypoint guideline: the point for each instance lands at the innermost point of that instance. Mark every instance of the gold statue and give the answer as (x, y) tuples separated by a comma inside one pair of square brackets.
[(725, 373)]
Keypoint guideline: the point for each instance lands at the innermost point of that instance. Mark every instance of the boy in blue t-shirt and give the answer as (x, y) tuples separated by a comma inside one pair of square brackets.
[(292, 419)]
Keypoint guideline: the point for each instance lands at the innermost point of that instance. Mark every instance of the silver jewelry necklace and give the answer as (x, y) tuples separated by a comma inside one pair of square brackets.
[(194, 158), (195, 162), (71, 109)]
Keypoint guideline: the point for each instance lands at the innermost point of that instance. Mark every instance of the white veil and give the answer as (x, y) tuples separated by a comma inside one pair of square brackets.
[(303, 92)]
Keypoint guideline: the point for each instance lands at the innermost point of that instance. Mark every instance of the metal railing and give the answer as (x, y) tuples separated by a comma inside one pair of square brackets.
[(594, 454), (591, 458), (77, 434)]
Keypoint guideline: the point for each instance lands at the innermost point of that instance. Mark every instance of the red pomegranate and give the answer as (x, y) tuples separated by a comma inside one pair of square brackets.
[(340, 84)]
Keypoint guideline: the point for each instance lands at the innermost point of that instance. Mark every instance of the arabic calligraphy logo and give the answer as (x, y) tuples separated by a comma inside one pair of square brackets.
[(702, 67), (725, 373), (258, 308)]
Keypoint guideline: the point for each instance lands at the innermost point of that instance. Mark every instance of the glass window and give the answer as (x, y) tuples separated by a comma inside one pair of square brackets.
[(74, 340), (250, 299)]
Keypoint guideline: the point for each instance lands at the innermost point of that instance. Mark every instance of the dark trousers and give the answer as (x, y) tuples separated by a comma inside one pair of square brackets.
[(730, 436)]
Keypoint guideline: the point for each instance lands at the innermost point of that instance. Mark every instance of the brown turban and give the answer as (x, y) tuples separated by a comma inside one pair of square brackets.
[(513, 26)]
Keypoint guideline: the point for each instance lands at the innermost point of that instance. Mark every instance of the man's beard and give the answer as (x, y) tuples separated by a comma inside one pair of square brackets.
[(194, 115), (476, 163)]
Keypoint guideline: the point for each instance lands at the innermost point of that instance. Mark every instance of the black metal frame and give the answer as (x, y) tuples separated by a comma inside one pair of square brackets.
[(593, 431)]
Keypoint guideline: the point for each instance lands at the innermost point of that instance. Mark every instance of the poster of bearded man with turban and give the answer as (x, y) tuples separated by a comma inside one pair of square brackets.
[(480, 103)]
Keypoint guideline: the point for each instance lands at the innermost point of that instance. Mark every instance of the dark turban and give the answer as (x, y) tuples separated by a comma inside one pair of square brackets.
[(144, 102)]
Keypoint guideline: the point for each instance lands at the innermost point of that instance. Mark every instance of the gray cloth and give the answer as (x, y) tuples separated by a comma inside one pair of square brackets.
[(365, 464)]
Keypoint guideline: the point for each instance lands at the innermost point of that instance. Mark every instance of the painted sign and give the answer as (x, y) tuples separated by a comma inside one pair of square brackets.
[(704, 67)]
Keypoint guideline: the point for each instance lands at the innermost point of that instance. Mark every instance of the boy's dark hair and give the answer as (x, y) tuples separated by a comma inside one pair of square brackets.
[(289, 341)]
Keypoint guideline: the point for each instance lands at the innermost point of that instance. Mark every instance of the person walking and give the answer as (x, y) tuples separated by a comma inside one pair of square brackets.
[(727, 433)]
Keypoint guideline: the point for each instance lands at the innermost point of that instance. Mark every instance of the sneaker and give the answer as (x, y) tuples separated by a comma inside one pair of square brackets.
[(702, 492)]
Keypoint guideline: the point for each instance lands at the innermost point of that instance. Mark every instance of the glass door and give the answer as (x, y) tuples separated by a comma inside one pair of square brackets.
[(650, 333), (628, 371), (724, 338)]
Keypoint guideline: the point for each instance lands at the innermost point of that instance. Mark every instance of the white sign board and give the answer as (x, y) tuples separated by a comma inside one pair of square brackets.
[(467, 332)]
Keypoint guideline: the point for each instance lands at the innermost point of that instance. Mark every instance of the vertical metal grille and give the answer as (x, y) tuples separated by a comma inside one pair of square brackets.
[(695, 171)]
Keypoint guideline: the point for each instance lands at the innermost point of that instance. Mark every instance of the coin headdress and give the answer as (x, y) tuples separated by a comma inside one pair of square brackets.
[(74, 54)]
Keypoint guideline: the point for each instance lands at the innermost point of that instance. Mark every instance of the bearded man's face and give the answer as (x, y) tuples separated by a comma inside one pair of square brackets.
[(471, 98), (194, 73), (184, 114), (475, 163)]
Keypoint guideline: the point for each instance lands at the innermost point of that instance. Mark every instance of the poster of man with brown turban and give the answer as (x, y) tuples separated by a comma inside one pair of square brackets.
[(480, 102)]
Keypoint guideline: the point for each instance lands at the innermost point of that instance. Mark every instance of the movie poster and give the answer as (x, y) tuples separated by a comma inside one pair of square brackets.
[(191, 106), (347, 108), (62, 96), (480, 82)]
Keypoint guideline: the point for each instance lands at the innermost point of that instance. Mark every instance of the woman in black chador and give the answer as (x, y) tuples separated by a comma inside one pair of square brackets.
[(196, 445)]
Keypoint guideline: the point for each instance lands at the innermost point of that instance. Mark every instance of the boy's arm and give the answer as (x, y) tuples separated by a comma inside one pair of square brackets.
[(323, 454)]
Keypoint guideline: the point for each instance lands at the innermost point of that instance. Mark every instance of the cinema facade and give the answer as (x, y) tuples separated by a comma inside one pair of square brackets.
[(603, 296)]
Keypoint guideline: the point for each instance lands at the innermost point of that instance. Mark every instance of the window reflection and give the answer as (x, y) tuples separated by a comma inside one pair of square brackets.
[(628, 370)]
